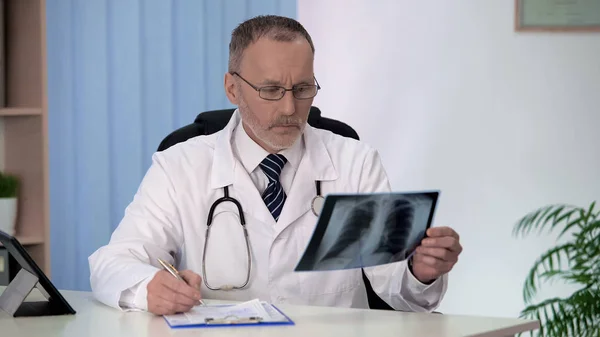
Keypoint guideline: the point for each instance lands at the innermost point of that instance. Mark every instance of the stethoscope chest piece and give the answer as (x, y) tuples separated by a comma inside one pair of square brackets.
[(317, 204)]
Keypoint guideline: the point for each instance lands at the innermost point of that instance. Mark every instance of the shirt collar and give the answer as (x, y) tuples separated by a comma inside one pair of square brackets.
[(251, 154), (315, 154)]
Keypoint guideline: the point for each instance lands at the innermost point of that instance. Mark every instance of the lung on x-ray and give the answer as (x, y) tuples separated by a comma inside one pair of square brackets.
[(363, 230)]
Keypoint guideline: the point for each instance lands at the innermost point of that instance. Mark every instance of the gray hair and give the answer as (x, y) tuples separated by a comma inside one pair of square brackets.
[(274, 27)]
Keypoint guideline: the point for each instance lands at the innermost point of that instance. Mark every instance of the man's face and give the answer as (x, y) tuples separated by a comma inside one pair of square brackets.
[(275, 125)]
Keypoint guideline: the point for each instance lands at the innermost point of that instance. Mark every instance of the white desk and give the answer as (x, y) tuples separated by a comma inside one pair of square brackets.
[(95, 319)]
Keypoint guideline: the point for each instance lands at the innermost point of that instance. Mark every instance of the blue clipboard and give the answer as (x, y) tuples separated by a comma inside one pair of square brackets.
[(230, 322)]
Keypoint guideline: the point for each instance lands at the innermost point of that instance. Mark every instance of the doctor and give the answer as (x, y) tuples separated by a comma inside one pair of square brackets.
[(267, 161)]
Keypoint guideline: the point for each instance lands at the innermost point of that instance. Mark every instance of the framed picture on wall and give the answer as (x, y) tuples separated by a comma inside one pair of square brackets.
[(557, 15)]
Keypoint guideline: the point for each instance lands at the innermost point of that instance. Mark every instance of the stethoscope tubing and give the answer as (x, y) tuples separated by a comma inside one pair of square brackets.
[(316, 205)]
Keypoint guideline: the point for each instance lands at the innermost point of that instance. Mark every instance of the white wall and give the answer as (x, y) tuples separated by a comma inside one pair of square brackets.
[(455, 99)]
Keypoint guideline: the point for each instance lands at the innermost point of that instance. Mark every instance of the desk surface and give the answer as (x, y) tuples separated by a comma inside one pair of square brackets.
[(95, 319)]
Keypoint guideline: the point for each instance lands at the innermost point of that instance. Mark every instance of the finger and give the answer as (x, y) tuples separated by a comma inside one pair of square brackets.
[(447, 242), (160, 306), (167, 294), (438, 265), (442, 231), (428, 260), (181, 287), (440, 253), (192, 279), (159, 295)]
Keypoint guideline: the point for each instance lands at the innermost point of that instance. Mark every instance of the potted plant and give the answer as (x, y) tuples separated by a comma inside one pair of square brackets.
[(576, 261), (9, 187)]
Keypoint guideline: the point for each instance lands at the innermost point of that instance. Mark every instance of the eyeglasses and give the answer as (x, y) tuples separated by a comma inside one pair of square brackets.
[(275, 92)]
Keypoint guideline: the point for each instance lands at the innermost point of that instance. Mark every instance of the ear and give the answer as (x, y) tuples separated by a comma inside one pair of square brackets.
[(230, 89)]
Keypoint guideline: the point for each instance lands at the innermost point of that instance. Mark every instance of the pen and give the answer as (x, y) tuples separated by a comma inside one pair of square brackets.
[(169, 267), (173, 271)]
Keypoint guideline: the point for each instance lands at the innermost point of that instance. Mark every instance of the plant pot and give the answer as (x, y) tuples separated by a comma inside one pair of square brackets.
[(8, 215)]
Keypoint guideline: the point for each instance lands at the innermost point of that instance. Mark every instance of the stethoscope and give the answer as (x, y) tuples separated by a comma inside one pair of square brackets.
[(316, 206)]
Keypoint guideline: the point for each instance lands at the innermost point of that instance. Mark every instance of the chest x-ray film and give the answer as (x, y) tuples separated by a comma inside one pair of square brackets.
[(363, 230)]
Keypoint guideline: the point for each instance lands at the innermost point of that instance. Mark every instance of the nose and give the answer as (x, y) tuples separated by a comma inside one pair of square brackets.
[(288, 103)]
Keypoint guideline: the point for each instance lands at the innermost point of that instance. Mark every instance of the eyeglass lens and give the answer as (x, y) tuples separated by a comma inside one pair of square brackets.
[(300, 92)]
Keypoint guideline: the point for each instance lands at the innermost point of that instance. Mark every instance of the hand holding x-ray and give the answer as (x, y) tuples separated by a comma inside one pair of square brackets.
[(437, 254), (363, 230)]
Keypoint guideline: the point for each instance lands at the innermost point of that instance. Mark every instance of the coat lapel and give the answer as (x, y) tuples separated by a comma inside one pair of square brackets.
[(228, 171), (316, 165)]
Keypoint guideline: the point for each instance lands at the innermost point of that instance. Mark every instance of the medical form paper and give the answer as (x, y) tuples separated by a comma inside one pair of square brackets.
[(251, 312)]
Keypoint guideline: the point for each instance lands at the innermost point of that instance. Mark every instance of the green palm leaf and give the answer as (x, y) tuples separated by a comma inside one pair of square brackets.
[(576, 262), (577, 315), (545, 266), (590, 232), (552, 216)]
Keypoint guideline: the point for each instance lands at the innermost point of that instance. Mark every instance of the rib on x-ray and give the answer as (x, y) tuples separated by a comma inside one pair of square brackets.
[(371, 230)]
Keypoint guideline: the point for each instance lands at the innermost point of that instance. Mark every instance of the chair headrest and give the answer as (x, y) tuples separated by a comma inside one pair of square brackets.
[(215, 120), (217, 116), (212, 121)]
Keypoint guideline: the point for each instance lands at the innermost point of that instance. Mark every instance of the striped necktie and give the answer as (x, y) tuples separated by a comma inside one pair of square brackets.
[(273, 196)]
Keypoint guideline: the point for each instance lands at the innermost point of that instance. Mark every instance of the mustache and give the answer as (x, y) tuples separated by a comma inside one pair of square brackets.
[(287, 121)]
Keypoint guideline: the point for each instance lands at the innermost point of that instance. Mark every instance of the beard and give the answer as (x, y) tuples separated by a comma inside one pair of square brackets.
[(274, 140)]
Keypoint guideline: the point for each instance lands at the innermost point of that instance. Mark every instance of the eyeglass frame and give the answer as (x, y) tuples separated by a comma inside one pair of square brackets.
[(258, 89)]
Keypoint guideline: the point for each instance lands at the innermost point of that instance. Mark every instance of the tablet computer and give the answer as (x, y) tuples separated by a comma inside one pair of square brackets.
[(364, 230), (30, 275)]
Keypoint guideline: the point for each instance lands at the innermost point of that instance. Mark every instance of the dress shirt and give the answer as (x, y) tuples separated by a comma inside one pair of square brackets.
[(250, 154)]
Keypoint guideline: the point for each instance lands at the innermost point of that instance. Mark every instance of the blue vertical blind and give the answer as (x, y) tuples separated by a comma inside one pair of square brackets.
[(122, 74)]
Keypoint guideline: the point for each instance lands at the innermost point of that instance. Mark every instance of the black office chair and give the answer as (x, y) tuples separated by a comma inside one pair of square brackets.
[(209, 122), (212, 121)]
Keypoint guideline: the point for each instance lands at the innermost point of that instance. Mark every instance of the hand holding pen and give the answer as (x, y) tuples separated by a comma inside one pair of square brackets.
[(171, 291), (191, 278)]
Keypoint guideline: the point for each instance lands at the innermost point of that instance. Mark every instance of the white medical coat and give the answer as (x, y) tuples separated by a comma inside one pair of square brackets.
[(168, 218)]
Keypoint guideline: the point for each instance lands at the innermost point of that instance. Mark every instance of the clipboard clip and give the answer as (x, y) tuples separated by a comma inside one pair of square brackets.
[(232, 320)]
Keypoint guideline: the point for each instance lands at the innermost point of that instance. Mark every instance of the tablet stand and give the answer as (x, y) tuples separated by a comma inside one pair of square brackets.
[(13, 298)]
